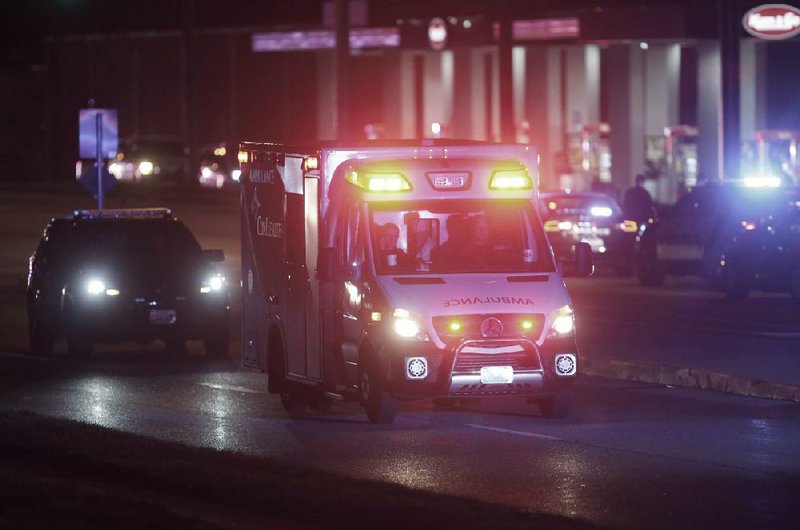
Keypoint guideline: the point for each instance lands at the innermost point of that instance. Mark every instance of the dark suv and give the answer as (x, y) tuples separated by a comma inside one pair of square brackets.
[(125, 275), (696, 236)]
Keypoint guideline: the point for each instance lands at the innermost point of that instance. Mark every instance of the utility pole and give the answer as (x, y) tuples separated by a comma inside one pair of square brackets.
[(730, 146), (342, 69), (507, 127), (188, 76)]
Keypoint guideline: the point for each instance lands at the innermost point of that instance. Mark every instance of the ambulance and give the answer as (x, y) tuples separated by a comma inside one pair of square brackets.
[(402, 270)]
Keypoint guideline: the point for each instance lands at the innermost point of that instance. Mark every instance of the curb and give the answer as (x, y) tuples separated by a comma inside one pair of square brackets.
[(690, 378)]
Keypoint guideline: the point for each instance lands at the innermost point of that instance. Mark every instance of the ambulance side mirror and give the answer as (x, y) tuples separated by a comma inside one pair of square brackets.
[(583, 260), (325, 265)]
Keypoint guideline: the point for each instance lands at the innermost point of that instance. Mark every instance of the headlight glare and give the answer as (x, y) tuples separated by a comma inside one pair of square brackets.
[(563, 323), (95, 286), (408, 327)]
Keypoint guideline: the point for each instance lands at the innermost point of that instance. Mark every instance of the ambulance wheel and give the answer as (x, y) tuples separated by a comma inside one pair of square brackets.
[(41, 338), (295, 399), (381, 406), (216, 343), (556, 406), (320, 403)]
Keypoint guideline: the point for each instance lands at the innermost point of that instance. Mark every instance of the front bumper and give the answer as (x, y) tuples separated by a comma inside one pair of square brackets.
[(455, 371), (111, 319)]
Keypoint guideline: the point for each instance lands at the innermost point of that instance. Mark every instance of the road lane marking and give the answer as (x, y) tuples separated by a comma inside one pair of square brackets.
[(235, 388), (509, 431)]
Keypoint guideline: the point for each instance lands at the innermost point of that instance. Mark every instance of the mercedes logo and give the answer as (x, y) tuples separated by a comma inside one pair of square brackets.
[(491, 327)]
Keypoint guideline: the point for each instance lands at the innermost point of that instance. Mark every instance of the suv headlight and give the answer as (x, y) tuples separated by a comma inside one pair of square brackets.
[(407, 326), (563, 323), (96, 286), (213, 284)]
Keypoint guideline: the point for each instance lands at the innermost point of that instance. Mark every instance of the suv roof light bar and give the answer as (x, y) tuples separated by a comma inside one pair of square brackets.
[(127, 213)]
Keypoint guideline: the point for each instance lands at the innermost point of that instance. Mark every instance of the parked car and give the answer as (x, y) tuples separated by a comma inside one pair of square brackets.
[(125, 275), (697, 233), (144, 157), (592, 217), (766, 257), (219, 167)]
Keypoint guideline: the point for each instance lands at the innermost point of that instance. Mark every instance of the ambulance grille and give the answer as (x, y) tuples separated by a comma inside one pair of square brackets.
[(474, 355)]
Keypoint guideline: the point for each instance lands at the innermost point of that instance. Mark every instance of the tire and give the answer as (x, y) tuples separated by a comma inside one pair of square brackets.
[(41, 338), (624, 271), (556, 406), (736, 287), (216, 344), (320, 403), (794, 286), (175, 346), (381, 406), (649, 271), (78, 345), (295, 399)]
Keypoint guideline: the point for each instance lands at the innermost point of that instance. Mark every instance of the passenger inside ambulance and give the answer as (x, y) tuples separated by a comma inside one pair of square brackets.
[(389, 254), (461, 236)]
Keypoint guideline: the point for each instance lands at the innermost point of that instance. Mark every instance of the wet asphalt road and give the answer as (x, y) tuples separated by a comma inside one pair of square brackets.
[(628, 456)]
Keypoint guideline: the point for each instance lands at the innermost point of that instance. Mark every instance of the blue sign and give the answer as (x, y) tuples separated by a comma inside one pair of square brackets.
[(88, 132), (89, 181)]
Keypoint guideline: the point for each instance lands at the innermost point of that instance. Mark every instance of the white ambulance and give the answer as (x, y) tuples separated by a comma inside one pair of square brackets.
[(403, 270)]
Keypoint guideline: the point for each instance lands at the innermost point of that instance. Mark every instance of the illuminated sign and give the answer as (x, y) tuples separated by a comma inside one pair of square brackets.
[(280, 41), (437, 33), (772, 21)]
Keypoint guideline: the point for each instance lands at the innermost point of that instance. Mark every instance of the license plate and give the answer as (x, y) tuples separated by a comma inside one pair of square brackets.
[(162, 316), (493, 375)]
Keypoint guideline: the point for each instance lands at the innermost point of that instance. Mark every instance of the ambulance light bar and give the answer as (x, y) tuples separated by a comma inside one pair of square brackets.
[(510, 179), (310, 163), (379, 182)]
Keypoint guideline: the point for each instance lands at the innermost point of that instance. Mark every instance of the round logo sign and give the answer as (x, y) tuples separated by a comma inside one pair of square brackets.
[(772, 21), (491, 327)]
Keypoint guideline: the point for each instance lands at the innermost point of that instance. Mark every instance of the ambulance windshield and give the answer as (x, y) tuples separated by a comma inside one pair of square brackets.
[(458, 236)]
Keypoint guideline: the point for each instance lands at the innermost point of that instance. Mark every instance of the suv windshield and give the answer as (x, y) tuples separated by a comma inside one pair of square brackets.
[(136, 240), (458, 236)]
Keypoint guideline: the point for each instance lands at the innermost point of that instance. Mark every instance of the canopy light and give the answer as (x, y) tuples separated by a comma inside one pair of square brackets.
[(761, 181), (510, 179), (601, 211), (379, 182)]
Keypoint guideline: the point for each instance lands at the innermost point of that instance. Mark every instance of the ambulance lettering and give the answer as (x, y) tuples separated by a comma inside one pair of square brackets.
[(475, 300), (268, 228)]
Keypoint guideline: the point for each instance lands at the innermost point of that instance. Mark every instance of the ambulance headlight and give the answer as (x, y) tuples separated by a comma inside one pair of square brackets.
[(408, 327), (213, 284), (95, 286), (563, 323)]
